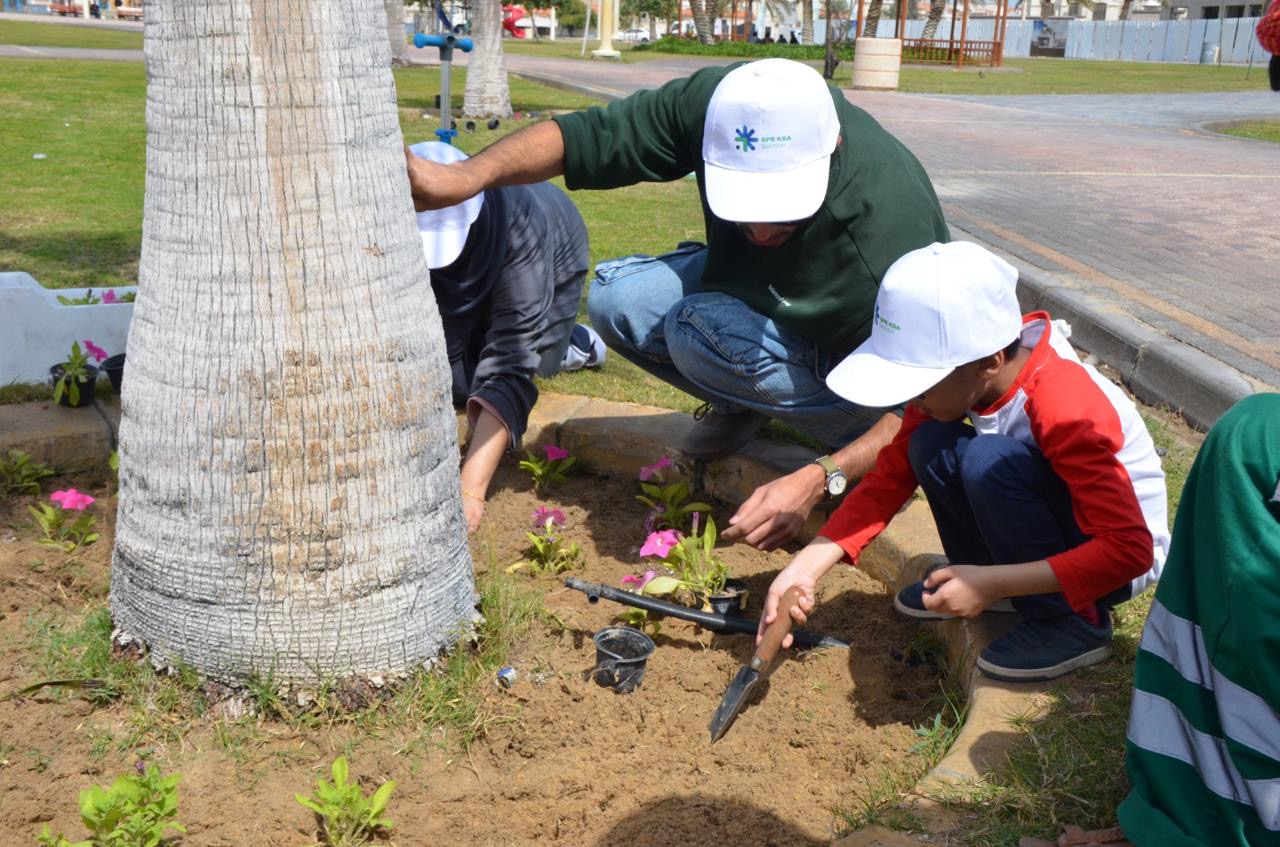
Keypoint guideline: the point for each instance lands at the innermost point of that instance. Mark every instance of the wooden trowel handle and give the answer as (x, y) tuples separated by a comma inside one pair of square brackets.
[(777, 630)]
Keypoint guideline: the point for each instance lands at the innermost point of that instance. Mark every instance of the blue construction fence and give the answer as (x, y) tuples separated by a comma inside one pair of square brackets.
[(1129, 41)]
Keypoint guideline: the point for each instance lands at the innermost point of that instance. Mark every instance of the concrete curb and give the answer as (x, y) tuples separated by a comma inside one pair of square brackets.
[(616, 439)]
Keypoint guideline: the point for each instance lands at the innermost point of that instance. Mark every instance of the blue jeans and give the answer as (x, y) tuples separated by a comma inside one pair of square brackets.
[(997, 501), (653, 312)]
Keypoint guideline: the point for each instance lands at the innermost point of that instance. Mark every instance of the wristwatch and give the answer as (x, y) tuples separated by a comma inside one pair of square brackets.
[(836, 480)]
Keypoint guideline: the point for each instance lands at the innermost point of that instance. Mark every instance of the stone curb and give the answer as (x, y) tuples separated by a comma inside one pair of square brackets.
[(616, 439)]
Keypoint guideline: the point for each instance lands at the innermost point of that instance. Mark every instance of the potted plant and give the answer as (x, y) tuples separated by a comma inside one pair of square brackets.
[(74, 379), (697, 576)]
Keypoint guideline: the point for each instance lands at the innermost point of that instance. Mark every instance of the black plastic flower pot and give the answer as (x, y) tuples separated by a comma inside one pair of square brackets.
[(732, 600), (621, 653), (85, 386), (113, 367)]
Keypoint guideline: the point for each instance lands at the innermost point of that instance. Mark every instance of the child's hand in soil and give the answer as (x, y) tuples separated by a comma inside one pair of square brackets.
[(960, 590), (473, 511)]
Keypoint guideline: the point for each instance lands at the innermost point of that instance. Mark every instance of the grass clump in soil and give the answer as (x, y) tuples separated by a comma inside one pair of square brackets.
[(78, 658)]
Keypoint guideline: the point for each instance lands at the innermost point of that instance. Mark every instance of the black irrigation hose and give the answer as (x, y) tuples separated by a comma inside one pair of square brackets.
[(707, 620)]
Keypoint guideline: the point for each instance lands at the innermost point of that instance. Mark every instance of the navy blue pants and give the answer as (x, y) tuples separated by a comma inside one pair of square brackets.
[(997, 501)]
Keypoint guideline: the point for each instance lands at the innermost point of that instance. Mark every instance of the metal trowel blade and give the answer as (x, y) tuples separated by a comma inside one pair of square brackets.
[(743, 682)]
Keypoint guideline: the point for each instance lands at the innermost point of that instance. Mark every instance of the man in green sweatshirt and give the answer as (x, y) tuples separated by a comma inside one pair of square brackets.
[(806, 202)]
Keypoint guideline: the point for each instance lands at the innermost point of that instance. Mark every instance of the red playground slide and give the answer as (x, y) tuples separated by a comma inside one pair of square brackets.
[(511, 14)]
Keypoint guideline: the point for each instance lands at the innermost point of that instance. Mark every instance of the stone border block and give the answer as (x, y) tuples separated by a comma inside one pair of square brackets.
[(60, 437), (1198, 386)]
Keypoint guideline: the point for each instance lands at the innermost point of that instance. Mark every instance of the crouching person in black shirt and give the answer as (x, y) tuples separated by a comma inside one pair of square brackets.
[(507, 268)]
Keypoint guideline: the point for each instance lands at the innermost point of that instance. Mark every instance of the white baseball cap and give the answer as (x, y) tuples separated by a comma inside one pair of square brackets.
[(444, 231), (770, 130), (939, 307)]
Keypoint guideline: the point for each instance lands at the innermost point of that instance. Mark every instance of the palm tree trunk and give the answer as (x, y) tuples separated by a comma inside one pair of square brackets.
[(1125, 8), (806, 22), (936, 8), (395, 32), (702, 21), (873, 18), (289, 499), (487, 92)]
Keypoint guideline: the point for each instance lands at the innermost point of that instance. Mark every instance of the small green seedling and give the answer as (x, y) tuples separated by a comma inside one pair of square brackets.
[(667, 506), (61, 533), (137, 810), (549, 471), (346, 816), (20, 475)]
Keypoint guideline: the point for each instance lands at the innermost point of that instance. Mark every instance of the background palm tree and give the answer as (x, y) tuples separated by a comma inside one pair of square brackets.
[(288, 500), (488, 93), (936, 8), (869, 26), (702, 20), (396, 35)]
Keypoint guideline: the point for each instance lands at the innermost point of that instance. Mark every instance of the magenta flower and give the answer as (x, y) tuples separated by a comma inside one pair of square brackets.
[(94, 350), (109, 296), (639, 581), (554, 453), (542, 516), (660, 543), (72, 500), (648, 472)]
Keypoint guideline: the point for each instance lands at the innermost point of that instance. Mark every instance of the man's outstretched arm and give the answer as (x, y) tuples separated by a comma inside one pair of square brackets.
[(776, 511), (533, 154)]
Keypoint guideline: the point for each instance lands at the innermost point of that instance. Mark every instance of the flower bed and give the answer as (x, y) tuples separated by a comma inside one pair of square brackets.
[(562, 758)]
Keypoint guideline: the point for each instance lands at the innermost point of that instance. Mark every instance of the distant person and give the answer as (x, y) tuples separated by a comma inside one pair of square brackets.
[(93, 11), (1041, 476), (1203, 744), (507, 267), (1269, 37), (794, 40)]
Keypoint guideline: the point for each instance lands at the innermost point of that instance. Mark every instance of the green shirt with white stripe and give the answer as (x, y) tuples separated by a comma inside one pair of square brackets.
[(1203, 748)]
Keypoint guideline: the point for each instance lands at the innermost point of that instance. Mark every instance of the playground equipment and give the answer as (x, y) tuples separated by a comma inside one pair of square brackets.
[(445, 43)]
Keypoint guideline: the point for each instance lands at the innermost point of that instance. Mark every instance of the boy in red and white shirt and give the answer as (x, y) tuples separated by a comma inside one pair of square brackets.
[(1041, 475)]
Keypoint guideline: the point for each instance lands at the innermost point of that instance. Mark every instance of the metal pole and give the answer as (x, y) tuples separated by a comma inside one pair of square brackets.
[(964, 32)]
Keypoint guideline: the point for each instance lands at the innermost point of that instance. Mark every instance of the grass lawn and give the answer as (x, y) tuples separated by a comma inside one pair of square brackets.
[(571, 48), (1260, 130), (1074, 76), (29, 34)]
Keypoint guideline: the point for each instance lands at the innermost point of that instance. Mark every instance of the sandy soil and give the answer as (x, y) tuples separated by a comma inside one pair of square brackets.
[(568, 762)]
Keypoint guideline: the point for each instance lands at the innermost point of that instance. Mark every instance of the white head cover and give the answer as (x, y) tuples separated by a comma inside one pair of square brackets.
[(444, 231), (770, 130), (939, 307)]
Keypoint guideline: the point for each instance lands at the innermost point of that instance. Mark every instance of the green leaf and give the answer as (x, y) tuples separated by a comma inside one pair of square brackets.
[(380, 798), (340, 771), (660, 585), (309, 803)]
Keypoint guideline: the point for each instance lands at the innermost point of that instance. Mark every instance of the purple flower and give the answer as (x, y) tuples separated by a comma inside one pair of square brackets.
[(648, 472), (639, 581), (72, 500), (543, 517), (660, 543), (94, 350), (554, 453)]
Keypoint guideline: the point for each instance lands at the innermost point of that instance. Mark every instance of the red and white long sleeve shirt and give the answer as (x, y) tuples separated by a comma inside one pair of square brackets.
[(1093, 438)]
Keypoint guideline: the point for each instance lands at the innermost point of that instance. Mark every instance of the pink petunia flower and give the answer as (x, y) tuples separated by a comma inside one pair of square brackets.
[(660, 543), (94, 350), (648, 472), (109, 296), (72, 500), (555, 453), (542, 516), (639, 581)]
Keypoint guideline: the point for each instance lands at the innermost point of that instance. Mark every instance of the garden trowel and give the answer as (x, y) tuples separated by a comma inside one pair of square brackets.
[(748, 675)]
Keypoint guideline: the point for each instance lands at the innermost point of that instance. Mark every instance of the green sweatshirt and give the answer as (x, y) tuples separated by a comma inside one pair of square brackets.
[(1203, 750), (823, 282)]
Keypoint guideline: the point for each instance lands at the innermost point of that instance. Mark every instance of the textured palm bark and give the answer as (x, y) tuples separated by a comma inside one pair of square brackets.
[(487, 91), (872, 23), (806, 22), (702, 21), (936, 8), (289, 499), (396, 36)]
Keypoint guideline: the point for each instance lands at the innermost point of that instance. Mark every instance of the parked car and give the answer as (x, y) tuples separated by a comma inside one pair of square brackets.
[(636, 35)]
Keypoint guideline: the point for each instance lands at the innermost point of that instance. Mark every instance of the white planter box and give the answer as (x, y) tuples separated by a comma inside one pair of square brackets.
[(38, 330)]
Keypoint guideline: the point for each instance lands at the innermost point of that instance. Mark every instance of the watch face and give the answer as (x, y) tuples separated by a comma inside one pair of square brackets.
[(836, 484)]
